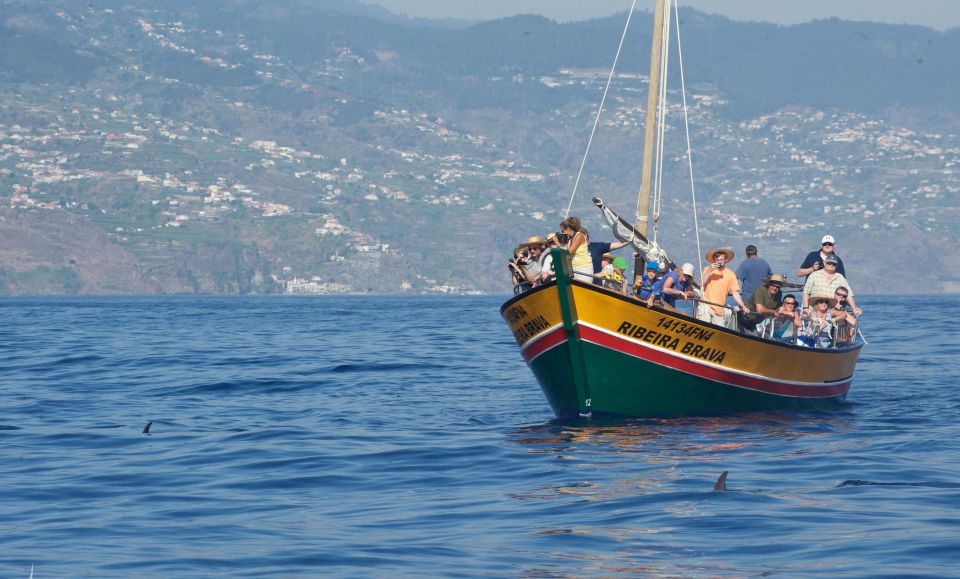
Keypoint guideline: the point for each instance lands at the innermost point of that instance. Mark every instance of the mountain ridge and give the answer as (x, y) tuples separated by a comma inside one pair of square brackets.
[(375, 153)]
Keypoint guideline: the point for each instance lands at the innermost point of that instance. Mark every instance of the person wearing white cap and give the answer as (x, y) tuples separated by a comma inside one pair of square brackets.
[(674, 285), (814, 261)]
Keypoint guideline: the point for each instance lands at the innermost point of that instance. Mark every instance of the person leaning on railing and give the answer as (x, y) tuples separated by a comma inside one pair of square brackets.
[(786, 321), (673, 285), (764, 303)]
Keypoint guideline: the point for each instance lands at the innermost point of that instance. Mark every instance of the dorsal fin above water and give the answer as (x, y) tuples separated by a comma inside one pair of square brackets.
[(721, 484)]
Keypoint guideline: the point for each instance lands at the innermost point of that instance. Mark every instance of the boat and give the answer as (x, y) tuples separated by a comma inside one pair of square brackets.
[(597, 352)]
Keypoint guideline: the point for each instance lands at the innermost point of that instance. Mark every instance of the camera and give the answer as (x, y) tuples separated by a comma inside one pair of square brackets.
[(562, 238)]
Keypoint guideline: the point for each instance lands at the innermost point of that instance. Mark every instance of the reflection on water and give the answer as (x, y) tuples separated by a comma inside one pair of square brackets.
[(681, 436), (650, 452), (625, 496)]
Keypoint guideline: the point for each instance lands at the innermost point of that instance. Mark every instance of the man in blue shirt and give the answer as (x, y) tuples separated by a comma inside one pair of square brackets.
[(815, 259), (751, 271)]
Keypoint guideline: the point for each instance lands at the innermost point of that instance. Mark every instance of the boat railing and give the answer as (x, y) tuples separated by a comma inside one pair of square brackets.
[(841, 332), (522, 287)]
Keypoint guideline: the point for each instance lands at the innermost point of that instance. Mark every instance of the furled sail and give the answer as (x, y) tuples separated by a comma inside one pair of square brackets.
[(625, 231)]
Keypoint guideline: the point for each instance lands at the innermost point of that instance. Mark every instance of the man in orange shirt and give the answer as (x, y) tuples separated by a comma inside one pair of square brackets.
[(717, 281)]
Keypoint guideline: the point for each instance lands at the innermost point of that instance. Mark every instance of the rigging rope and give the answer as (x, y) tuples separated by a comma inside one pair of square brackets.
[(686, 127), (600, 110)]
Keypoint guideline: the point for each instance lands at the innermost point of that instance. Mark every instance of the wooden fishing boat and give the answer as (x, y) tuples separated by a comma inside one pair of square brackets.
[(597, 352)]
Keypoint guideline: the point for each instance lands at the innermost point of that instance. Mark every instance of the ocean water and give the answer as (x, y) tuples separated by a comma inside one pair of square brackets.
[(385, 437)]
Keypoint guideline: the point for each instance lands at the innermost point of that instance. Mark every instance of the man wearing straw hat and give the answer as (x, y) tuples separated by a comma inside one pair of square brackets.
[(764, 302), (717, 281)]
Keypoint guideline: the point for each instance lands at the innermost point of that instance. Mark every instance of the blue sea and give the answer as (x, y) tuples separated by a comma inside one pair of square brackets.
[(405, 437)]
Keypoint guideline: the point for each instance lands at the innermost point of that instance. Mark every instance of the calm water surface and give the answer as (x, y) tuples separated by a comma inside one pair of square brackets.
[(405, 437)]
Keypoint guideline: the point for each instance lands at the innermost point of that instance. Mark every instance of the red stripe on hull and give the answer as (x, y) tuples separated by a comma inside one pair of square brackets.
[(800, 390), (542, 343)]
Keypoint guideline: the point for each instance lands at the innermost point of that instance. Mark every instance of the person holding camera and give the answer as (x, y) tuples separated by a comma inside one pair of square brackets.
[(844, 317), (717, 281), (526, 264), (817, 259), (580, 254), (518, 271)]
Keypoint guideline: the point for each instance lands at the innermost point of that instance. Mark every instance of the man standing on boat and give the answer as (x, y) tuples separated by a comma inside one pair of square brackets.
[(717, 281), (815, 259), (752, 270)]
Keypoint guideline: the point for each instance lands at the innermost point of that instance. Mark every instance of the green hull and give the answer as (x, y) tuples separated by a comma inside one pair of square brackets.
[(625, 385)]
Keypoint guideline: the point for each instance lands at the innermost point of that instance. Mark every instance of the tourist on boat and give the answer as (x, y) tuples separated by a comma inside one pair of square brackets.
[(815, 259), (613, 274), (577, 246), (597, 249), (751, 271), (717, 282), (673, 285), (517, 267), (764, 302), (643, 285), (843, 316), (528, 261), (546, 259), (826, 281), (786, 322), (818, 329)]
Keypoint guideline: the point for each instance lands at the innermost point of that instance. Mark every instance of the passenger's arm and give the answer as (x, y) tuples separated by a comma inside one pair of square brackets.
[(739, 300), (575, 243), (853, 303), (762, 309)]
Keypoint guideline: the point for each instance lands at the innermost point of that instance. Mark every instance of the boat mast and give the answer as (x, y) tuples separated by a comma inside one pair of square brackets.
[(653, 93)]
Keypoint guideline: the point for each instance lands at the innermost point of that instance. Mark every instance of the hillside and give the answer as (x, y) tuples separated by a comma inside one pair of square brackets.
[(259, 147)]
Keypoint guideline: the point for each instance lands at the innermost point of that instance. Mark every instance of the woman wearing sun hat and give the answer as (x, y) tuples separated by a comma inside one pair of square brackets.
[(818, 322)]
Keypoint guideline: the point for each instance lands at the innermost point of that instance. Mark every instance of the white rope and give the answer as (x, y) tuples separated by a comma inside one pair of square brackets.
[(686, 127), (600, 110)]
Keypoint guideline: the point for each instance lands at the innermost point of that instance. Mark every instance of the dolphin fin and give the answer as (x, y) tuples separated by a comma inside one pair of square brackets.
[(721, 484)]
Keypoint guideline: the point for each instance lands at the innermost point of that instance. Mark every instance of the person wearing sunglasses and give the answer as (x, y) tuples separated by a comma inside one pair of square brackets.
[(826, 281), (843, 316), (786, 320), (815, 259)]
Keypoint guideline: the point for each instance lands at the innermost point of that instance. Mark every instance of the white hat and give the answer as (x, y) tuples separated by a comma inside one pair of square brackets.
[(687, 269), (827, 239)]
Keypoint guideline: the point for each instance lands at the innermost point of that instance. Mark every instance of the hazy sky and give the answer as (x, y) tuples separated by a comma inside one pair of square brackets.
[(940, 14)]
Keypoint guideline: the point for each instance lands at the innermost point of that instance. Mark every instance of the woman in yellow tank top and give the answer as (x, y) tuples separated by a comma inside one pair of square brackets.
[(582, 263)]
